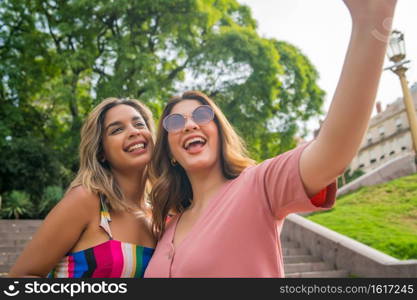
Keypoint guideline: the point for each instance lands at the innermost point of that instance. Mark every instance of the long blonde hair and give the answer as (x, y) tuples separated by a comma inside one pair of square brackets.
[(95, 175), (172, 190)]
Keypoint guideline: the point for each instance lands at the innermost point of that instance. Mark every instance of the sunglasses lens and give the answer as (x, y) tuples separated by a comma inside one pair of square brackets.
[(203, 114), (174, 122)]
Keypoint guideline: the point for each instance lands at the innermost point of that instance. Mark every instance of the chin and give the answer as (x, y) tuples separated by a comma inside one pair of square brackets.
[(199, 165), (141, 162)]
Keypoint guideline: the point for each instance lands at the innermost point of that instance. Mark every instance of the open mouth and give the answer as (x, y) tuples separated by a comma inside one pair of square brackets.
[(194, 142), (137, 146)]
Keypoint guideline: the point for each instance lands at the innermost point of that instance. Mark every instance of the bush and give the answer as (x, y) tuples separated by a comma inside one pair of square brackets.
[(50, 197), (27, 164), (349, 176), (16, 204)]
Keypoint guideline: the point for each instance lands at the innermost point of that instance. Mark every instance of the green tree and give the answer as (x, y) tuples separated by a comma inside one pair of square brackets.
[(28, 165)]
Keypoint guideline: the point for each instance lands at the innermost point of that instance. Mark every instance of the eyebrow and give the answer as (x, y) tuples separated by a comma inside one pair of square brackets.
[(135, 118)]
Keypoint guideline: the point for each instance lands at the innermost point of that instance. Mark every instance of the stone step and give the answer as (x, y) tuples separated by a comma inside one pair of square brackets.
[(294, 251), (299, 263), (20, 222), (307, 267), (11, 249), (9, 258), (21, 225), (12, 243), (29, 230), (319, 274), (300, 259), (5, 268), (15, 235)]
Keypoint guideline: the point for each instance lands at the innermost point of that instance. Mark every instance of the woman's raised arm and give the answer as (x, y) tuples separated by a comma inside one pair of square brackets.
[(347, 120)]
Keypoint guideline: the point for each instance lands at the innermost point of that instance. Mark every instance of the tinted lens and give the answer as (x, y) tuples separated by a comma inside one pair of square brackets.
[(174, 122), (203, 114)]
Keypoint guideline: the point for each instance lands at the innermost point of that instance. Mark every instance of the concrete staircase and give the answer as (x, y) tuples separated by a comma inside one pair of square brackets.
[(13, 238), (298, 262)]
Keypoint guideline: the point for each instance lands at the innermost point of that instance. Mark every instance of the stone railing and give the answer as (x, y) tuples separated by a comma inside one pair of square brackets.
[(345, 253), (401, 166)]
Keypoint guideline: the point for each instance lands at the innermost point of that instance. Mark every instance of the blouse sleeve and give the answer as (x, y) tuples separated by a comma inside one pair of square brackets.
[(283, 188)]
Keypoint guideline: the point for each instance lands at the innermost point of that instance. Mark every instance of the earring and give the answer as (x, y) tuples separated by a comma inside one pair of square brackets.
[(173, 162)]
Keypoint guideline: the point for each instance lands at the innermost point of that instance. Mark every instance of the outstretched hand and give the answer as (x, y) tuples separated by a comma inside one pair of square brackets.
[(370, 9)]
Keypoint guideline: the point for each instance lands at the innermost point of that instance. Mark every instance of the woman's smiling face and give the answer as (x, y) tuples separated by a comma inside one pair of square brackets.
[(127, 141), (195, 147)]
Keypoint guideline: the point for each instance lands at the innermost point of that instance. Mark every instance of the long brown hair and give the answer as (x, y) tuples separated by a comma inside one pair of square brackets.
[(172, 190), (95, 175)]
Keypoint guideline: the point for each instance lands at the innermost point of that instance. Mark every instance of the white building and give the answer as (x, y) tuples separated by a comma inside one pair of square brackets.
[(388, 136)]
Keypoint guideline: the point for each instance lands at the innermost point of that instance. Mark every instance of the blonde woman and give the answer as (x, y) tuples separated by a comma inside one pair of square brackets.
[(101, 227), (229, 212)]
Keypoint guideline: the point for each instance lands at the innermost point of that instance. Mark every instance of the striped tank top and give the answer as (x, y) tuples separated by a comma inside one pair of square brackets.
[(111, 259)]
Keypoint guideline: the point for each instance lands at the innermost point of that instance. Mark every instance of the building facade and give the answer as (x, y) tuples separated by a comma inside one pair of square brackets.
[(388, 136)]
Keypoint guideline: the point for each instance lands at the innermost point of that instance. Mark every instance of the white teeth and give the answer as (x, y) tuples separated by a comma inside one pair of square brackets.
[(192, 140), (137, 146)]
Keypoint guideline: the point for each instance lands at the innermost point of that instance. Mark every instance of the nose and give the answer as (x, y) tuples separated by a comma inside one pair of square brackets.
[(133, 131), (190, 125)]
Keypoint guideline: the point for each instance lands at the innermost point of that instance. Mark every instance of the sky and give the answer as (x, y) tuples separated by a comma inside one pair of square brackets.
[(321, 30)]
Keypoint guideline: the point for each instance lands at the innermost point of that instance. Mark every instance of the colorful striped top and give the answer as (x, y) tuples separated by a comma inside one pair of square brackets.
[(111, 259)]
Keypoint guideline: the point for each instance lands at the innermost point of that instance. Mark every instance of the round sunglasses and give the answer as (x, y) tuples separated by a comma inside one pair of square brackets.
[(176, 122)]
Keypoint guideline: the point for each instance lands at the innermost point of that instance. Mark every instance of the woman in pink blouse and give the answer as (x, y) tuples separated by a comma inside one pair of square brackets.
[(228, 211)]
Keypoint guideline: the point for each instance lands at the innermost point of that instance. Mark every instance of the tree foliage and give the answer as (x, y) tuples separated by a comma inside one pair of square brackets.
[(60, 58), (17, 204)]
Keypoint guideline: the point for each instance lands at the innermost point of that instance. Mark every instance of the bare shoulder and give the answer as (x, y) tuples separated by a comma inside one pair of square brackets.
[(81, 198), (77, 202)]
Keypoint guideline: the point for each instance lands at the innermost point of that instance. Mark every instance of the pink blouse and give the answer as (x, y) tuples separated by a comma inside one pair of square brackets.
[(237, 235)]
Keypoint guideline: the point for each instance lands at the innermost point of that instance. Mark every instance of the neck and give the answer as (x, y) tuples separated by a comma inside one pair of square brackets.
[(205, 185), (132, 185)]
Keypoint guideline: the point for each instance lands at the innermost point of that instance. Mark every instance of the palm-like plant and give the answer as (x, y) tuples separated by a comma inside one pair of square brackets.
[(16, 204)]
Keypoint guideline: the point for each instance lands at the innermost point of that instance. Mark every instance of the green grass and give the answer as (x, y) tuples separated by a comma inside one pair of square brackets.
[(383, 217)]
